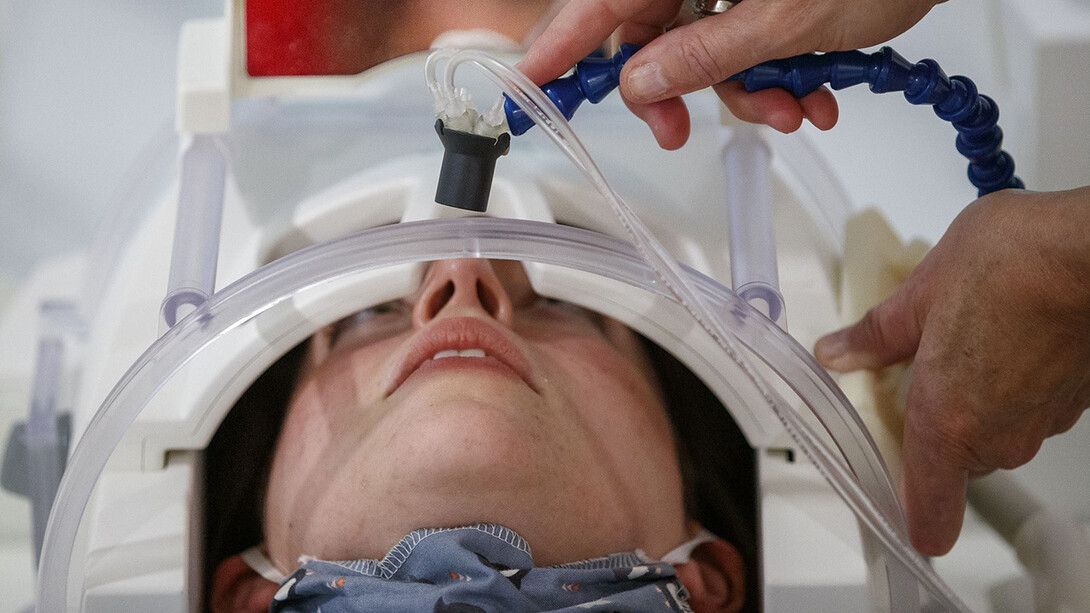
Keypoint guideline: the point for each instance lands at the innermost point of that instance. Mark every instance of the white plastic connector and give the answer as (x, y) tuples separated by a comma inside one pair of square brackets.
[(204, 83), (455, 106), (494, 121), (1054, 547), (1056, 552)]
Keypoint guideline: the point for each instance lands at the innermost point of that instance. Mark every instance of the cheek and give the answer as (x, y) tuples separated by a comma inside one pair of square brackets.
[(335, 404), (610, 394), (339, 401), (305, 434), (625, 424), (351, 381), (592, 367)]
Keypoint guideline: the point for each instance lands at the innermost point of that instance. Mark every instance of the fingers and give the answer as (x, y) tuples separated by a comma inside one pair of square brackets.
[(668, 120), (933, 490), (778, 108), (578, 29), (775, 107), (688, 58), (582, 26), (887, 334), (708, 51), (820, 108)]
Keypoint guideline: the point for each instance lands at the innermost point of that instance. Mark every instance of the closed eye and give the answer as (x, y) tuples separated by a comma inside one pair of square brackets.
[(373, 323), (563, 307)]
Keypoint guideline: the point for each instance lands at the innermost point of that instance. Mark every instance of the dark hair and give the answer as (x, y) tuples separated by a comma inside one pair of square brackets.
[(237, 462), (718, 465)]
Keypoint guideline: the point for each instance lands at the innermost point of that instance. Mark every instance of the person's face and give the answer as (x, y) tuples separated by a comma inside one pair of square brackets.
[(474, 400)]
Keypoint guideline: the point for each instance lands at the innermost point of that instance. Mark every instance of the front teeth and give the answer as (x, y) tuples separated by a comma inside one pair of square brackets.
[(454, 353)]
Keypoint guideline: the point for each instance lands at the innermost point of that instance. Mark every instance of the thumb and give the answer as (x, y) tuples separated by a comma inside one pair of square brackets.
[(887, 334), (707, 51)]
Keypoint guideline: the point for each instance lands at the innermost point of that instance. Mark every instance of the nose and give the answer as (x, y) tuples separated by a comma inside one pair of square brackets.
[(462, 288)]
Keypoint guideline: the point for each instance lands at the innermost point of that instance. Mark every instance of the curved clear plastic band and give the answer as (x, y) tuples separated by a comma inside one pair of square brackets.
[(259, 292)]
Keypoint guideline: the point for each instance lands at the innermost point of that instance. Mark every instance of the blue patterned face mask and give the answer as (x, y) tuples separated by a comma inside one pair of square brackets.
[(480, 569)]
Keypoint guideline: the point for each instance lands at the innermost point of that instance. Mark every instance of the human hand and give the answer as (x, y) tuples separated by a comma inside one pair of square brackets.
[(998, 319), (705, 52)]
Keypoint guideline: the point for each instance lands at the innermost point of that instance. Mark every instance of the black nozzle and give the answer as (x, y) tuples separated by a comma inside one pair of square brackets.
[(469, 161)]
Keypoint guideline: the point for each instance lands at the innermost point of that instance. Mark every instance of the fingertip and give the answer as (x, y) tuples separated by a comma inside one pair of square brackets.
[(541, 63), (673, 132), (671, 139), (831, 349), (773, 107), (825, 122), (933, 527), (934, 496), (820, 108), (529, 69), (785, 120), (668, 120), (838, 352), (933, 539)]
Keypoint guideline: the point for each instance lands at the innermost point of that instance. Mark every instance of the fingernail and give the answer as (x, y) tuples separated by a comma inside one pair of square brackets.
[(647, 82), (830, 346), (832, 351)]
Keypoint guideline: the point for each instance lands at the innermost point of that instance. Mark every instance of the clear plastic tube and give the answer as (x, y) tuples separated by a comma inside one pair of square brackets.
[(753, 273), (884, 520), (196, 230), (44, 463), (45, 446), (431, 66)]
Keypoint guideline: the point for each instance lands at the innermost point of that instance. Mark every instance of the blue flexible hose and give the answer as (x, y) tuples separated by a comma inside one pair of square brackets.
[(955, 99)]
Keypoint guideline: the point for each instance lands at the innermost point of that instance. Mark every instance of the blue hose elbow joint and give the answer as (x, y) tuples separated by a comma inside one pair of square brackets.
[(592, 80), (890, 71)]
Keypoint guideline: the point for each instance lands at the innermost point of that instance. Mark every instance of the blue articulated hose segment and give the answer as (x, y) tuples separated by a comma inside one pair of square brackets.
[(955, 99), (592, 80)]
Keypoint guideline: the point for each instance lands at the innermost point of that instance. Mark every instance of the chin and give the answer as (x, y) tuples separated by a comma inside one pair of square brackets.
[(473, 440)]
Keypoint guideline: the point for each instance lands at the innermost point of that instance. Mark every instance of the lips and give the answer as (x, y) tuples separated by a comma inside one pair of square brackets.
[(468, 335)]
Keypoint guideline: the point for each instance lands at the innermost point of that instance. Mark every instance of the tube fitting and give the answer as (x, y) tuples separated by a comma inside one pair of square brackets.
[(469, 162)]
